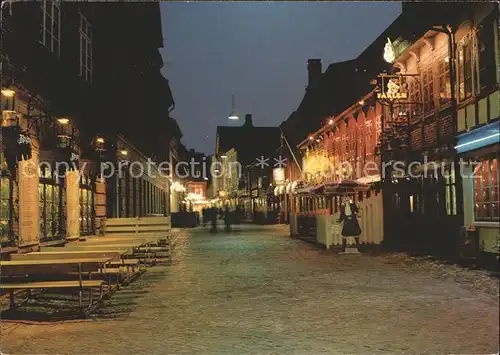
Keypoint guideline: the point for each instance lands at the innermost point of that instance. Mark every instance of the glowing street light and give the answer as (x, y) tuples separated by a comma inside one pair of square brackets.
[(8, 92), (233, 115)]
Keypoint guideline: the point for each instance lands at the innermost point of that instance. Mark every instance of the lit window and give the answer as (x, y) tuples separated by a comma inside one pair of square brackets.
[(415, 98), (5, 203), (50, 30), (450, 190), (444, 78), (486, 190), (85, 49)]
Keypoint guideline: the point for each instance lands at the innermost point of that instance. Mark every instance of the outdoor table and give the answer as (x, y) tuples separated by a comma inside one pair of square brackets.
[(51, 267), (23, 267), (71, 254)]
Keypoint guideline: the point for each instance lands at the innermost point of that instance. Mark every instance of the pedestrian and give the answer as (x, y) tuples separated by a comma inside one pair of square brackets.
[(213, 218), (349, 217), (227, 219), (204, 216)]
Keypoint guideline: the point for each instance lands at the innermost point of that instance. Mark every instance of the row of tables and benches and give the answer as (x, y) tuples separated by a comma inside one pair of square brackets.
[(95, 267)]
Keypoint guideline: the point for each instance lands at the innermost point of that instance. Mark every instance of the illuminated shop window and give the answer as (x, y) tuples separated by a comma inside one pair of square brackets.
[(450, 191), (5, 212), (486, 190)]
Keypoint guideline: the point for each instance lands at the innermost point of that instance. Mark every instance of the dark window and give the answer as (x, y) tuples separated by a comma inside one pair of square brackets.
[(486, 49), (465, 70)]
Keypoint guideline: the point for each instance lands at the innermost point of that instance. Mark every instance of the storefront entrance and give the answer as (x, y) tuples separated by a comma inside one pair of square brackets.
[(6, 192), (87, 225), (52, 199)]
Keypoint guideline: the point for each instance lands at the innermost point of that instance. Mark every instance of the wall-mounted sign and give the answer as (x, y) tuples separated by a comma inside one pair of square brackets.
[(389, 53), (24, 146), (23, 139), (255, 192), (391, 87)]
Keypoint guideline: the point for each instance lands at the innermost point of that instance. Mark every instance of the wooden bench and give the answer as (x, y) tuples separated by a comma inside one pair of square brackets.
[(43, 285), (116, 259), (15, 272), (150, 226), (114, 254)]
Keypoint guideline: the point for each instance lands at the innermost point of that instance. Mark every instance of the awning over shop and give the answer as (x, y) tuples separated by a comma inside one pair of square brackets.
[(478, 138), (311, 190), (345, 187), (368, 179)]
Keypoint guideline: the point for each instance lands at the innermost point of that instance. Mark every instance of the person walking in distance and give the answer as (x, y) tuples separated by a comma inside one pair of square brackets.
[(213, 217), (227, 218)]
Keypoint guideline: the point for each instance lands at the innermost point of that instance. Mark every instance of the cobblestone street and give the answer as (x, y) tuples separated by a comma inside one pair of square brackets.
[(258, 291)]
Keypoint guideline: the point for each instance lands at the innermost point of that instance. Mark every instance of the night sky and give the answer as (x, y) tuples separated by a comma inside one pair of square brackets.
[(258, 51)]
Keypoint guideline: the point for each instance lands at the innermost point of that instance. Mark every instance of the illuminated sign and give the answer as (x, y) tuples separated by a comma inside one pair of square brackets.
[(278, 176), (389, 54), (392, 89), (24, 139)]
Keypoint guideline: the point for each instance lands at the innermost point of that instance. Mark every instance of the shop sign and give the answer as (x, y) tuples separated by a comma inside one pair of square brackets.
[(278, 176), (24, 144), (391, 88), (255, 193)]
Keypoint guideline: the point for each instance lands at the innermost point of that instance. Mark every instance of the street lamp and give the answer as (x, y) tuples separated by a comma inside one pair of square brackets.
[(233, 115), (63, 120), (8, 92)]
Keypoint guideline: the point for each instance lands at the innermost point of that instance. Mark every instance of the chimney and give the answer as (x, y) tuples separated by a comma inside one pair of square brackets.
[(314, 70), (248, 120)]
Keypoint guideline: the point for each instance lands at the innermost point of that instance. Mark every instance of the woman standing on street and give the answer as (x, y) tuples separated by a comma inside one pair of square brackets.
[(349, 215)]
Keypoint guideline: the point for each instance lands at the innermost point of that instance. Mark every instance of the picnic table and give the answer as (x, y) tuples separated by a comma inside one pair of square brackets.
[(115, 254), (13, 269), (118, 260)]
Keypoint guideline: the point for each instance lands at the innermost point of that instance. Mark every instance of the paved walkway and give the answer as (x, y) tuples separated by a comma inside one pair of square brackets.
[(258, 292)]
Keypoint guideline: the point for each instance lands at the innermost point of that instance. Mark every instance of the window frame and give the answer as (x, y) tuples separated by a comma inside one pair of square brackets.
[(464, 81), (443, 77), (450, 185), (49, 33), (490, 187), (85, 48), (428, 104), (488, 70)]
